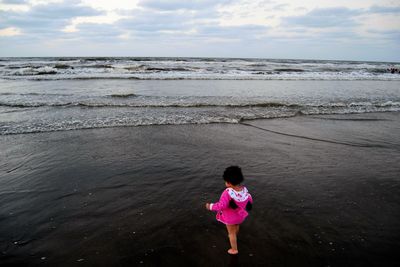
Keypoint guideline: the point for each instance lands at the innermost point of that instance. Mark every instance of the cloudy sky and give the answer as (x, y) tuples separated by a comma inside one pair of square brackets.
[(312, 29)]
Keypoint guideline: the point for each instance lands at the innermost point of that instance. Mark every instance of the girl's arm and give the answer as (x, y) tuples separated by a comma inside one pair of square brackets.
[(223, 202)]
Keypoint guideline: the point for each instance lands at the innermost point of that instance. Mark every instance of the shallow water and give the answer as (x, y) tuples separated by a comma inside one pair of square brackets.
[(41, 106), (135, 196)]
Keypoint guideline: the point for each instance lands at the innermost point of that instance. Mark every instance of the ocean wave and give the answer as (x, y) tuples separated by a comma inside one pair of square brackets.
[(82, 125), (289, 70), (123, 95), (130, 122), (23, 66), (258, 65), (32, 94), (146, 105), (193, 69), (33, 71), (33, 105), (51, 72), (388, 104), (135, 68), (145, 68), (255, 77), (191, 104), (90, 59), (165, 69), (63, 66), (378, 71), (73, 59), (98, 66), (177, 119)]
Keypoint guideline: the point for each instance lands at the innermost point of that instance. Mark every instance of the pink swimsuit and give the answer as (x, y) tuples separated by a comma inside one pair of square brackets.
[(225, 213)]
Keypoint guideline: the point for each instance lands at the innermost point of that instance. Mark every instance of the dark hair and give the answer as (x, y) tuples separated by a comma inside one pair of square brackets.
[(233, 175)]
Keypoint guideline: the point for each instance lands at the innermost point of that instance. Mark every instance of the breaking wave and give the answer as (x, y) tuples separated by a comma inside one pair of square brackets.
[(145, 105), (194, 69), (105, 115), (123, 95)]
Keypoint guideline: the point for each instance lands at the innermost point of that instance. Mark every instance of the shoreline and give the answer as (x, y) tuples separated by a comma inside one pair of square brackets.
[(244, 122)]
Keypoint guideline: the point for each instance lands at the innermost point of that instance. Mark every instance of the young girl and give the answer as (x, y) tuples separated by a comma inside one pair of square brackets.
[(233, 204)]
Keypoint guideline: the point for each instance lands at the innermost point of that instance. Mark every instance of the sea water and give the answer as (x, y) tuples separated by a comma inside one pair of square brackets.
[(55, 94)]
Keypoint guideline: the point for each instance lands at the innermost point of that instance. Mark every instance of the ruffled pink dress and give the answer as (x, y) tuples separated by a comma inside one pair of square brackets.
[(225, 213)]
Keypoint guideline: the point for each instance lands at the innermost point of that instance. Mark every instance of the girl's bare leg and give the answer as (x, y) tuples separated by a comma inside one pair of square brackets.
[(232, 230)]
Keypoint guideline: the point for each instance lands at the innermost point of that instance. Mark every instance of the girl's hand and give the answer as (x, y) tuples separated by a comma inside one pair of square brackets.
[(208, 206)]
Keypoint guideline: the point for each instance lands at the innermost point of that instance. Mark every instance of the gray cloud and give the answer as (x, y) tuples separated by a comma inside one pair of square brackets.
[(333, 17), (154, 21), (145, 21), (324, 18), (63, 10), (46, 18), (383, 9), (196, 24), (96, 32), (190, 28), (47, 21)]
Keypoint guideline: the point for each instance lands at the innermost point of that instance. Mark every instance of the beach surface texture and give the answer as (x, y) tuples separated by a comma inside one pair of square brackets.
[(116, 172)]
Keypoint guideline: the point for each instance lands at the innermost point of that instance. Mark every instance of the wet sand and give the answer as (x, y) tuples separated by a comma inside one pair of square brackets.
[(326, 192)]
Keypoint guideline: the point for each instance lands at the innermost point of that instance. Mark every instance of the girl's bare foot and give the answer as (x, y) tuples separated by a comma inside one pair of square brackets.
[(233, 251)]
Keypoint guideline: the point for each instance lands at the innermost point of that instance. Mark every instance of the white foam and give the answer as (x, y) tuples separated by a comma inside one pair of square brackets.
[(213, 69)]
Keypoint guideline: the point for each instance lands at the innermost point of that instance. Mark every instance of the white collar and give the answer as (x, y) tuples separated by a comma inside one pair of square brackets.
[(240, 196)]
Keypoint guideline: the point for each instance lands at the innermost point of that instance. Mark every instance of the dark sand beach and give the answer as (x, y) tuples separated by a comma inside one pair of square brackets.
[(326, 191)]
